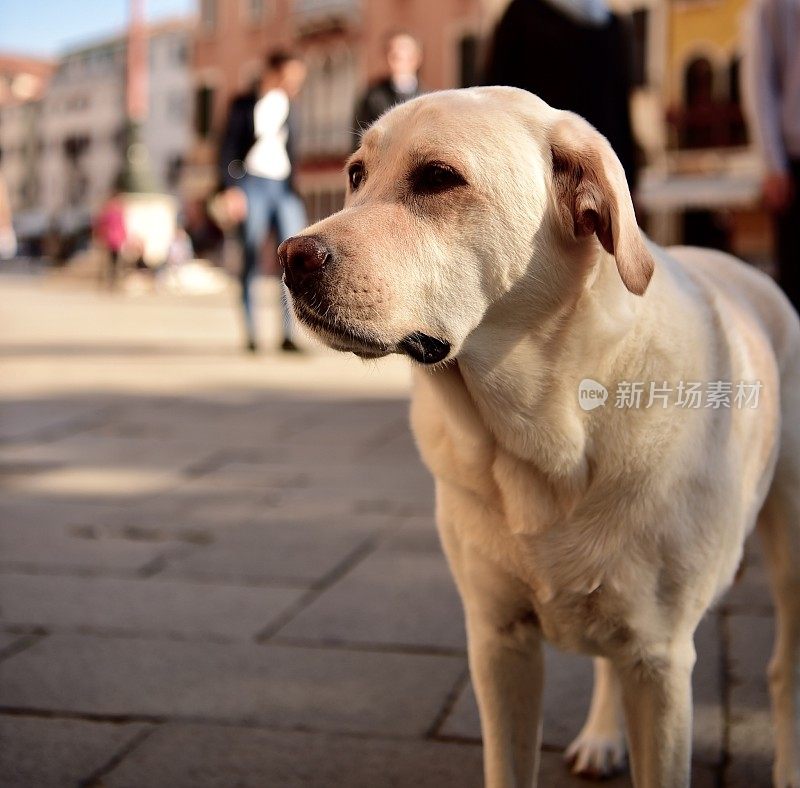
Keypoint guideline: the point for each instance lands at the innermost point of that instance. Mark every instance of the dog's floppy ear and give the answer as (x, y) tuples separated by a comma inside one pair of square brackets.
[(592, 197)]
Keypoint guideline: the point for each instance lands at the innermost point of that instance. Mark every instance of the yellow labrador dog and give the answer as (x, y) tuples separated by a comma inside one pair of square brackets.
[(492, 239)]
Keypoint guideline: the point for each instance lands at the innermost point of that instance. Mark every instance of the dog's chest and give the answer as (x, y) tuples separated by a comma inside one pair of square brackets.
[(507, 511)]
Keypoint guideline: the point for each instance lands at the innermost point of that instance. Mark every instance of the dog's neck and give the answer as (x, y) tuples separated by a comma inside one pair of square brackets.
[(523, 375)]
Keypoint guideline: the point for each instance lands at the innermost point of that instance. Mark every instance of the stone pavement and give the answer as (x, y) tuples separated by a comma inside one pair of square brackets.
[(218, 570)]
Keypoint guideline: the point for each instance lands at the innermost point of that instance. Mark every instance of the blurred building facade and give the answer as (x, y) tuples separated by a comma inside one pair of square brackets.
[(77, 128), (61, 148), (23, 82), (700, 169), (703, 177)]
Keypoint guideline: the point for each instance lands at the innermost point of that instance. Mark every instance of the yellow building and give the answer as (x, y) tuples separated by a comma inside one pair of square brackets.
[(702, 184), (709, 29)]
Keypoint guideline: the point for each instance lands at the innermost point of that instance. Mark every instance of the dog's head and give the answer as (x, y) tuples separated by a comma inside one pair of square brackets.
[(459, 201)]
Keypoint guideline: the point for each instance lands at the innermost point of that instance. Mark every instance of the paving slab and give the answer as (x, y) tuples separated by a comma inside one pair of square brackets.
[(50, 547), (194, 756), (195, 519), (92, 482), (114, 536), (750, 591), (27, 420), (354, 497), (237, 475), (94, 448), (554, 773), (277, 550), (7, 639), (391, 599), (365, 423), (181, 756), (323, 689), (750, 723), (41, 753), (415, 535), (143, 606), (568, 688)]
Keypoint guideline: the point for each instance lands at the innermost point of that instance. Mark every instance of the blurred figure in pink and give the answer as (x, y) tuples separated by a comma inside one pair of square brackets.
[(111, 234), (772, 92)]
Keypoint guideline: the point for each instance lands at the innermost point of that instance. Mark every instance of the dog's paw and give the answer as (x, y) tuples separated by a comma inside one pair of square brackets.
[(597, 756)]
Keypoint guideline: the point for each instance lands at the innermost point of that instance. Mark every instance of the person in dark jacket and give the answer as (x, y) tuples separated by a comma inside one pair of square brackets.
[(257, 170), (771, 82), (577, 56), (403, 58)]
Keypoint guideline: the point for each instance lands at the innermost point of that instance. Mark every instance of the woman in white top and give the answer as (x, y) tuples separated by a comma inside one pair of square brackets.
[(256, 172)]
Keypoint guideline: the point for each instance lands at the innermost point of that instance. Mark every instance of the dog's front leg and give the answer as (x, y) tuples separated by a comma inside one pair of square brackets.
[(505, 659), (657, 696), (506, 664)]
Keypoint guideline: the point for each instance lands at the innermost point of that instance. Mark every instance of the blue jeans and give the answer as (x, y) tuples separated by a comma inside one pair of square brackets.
[(270, 203)]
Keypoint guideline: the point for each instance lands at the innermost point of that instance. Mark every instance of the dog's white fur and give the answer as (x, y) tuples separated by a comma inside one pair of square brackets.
[(607, 532)]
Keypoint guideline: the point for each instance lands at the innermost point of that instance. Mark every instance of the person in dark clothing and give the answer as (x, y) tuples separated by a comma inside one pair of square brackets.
[(771, 87), (257, 169), (575, 55), (404, 58)]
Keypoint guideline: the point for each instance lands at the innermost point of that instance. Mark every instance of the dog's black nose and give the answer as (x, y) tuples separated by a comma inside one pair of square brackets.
[(302, 257)]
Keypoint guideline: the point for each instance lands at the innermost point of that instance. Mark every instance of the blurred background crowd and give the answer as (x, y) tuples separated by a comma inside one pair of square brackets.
[(140, 151)]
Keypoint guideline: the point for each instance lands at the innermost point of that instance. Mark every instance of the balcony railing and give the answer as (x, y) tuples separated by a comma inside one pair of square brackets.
[(310, 15)]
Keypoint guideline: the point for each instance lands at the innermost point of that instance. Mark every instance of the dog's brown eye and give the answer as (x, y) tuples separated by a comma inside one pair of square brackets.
[(355, 174), (433, 178)]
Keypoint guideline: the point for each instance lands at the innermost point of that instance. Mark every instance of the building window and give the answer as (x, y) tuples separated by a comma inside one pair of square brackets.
[(325, 106), (180, 53), (204, 111), (711, 113), (177, 107), (208, 14), (468, 61)]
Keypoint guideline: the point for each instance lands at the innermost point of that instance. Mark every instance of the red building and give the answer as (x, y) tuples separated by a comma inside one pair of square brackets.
[(343, 44)]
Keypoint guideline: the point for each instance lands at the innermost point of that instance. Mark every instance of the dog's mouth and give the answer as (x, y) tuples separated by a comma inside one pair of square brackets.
[(341, 336), (421, 347)]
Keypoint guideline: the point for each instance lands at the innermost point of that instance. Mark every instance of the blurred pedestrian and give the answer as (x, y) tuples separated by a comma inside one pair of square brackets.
[(110, 232), (257, 169), (576, 55), (403, 60), (8, 239), (771, 88)]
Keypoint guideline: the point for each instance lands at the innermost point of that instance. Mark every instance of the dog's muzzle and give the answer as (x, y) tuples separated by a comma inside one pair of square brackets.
[(304, 259)]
